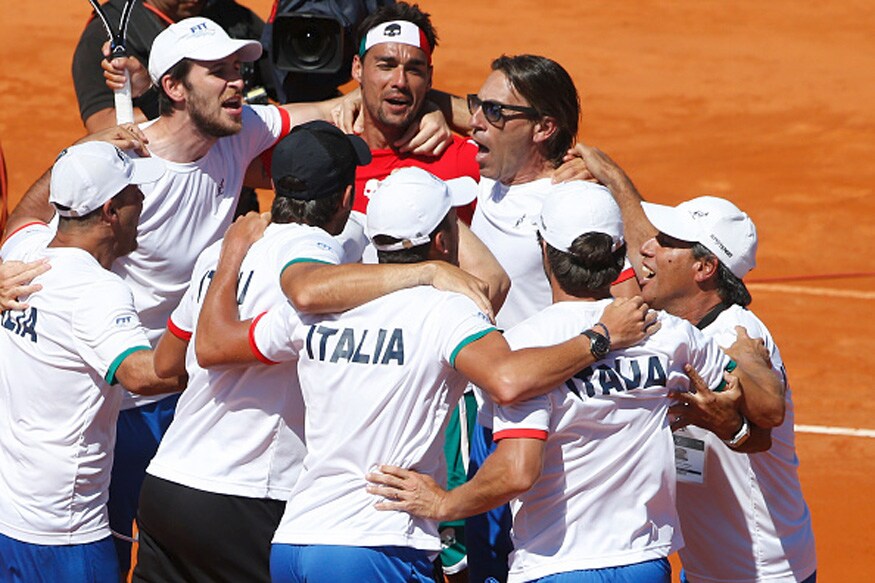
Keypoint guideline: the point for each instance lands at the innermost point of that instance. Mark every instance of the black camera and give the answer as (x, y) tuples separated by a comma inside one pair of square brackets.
[(311, 45), (308, 43)]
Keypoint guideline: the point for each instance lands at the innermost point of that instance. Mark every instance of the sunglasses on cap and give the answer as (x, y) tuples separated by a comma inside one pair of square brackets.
[(493, 111)]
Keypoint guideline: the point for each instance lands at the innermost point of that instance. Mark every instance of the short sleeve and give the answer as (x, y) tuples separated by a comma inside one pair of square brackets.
[(529, 419), (275, 335), (27, 242), (316, 247), (181, 322), (263, 126), (106, 327), (460, 323)]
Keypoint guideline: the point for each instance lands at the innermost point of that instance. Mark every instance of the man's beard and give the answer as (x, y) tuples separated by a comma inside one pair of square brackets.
[(211, 125)]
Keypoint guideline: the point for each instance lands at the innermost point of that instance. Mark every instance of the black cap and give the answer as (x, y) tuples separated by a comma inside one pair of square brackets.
[(316, 160)]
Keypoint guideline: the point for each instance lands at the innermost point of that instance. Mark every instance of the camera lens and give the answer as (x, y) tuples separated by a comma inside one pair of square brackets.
[(307, 43), (312, 45)]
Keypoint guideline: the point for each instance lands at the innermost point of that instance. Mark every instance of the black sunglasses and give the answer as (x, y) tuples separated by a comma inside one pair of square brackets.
[(493, 110)]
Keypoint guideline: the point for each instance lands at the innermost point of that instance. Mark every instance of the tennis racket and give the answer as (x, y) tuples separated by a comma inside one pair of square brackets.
[(124, 108)]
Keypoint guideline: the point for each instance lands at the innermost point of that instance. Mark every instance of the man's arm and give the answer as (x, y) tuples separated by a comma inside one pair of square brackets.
[(34, 205), (476, 258), (221, 337), (137, 374), (170, 355), (512, 469), (512, 376), (762, 398), (636, 227)]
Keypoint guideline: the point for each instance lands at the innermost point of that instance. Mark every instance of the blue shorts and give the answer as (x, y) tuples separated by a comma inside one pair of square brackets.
[(654, 571), (22, 562), (341, 564), (138, 432)]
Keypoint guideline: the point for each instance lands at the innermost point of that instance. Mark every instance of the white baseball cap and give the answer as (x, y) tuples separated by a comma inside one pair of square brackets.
[(410, 203), (196, 38), (87, 175), (714, 222), (574, 208)]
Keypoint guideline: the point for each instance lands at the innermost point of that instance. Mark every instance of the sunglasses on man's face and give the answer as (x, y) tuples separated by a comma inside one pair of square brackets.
[(493, 111)]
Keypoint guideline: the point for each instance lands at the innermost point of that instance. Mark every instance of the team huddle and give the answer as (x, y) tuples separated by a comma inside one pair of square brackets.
[(437, 357)]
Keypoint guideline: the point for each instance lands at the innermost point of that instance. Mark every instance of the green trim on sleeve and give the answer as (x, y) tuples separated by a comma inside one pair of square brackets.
[(729, 368), (303, 260), (467, 341), (110, 374)]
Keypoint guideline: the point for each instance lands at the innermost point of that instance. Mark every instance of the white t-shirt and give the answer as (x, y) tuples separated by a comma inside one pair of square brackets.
[(606, 495), (58, 411), (185, 211), (506, 220), (748, 521), (378, 384), (239, 430)]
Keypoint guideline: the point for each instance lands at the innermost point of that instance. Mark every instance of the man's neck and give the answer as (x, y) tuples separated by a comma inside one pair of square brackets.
[(695, 308), (559, 295), (102, 249), (176, 139), (534, 169), (378, 137)]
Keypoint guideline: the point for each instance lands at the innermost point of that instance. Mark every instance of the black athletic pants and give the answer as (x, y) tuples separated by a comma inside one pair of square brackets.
[(189, 535)]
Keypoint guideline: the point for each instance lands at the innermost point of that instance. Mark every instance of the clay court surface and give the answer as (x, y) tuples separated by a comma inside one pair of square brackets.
[(767, 103)]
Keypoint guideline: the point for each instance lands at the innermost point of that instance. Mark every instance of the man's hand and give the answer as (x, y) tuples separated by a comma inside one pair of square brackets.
[(745, 348), (447, 277), (15, 278), (347, 115), (716, 412), (114, 73), (429, 137), (407, 491), (124, 137), (597, 167), (245, 231), (629, 321)]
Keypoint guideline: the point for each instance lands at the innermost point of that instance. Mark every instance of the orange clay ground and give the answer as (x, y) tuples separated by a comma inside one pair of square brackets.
[(767, 103)]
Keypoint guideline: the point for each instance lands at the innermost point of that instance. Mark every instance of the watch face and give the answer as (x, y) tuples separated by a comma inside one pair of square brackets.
[(598, 344)]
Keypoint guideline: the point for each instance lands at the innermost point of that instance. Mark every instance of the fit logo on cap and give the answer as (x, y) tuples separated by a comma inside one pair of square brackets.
[(201, 29)]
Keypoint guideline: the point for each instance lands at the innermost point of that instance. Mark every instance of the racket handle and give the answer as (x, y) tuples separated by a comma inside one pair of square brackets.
[(124, 107)]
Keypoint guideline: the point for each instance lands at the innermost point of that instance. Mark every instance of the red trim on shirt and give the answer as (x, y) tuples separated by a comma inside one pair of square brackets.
[(625, 275), (517, 433), (267, 155), (24, 226), (252, 346), (177, 331), (158, 13)]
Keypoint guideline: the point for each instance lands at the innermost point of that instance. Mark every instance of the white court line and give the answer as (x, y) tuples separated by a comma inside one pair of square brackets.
[(812, 291), (848, 431)]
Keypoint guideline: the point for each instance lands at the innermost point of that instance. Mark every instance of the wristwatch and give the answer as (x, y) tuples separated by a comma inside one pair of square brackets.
[(599, 344), (740, 436)]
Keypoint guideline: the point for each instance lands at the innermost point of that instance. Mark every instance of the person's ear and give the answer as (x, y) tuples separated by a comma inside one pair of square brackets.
[(545, 128), (705, 269)]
